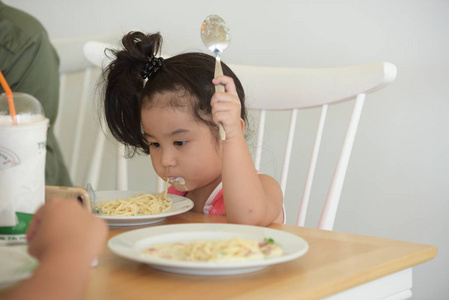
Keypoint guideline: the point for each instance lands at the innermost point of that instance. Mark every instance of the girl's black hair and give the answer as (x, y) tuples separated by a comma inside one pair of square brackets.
[(125, 92)]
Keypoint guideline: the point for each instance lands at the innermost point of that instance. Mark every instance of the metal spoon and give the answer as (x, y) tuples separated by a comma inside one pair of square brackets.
[(92, 198), (216, 36), (178, 182)]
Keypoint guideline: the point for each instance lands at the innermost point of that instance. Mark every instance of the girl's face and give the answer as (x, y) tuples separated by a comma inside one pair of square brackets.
[(180, 145)]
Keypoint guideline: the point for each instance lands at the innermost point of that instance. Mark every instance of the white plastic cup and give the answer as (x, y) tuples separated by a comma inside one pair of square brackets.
[(22, 172)]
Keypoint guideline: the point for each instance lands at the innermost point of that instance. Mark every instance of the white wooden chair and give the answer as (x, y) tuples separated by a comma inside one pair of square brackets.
[(296, 89)]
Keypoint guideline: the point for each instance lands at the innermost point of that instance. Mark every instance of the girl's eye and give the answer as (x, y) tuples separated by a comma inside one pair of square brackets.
[(155, 145), (179, 143)]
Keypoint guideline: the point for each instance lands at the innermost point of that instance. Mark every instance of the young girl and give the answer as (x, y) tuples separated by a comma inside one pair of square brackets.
[(170, 110)]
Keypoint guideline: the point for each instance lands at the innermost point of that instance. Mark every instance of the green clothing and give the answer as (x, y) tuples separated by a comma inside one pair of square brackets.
[(30, 65)]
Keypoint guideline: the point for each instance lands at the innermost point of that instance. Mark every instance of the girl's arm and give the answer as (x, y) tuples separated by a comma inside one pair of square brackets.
[(249, 197)]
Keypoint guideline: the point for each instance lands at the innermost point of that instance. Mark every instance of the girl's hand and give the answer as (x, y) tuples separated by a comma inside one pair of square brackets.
[(226, 107)]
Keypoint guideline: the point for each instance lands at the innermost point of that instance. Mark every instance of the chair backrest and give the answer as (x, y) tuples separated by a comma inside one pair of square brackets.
[(73, 63), (295, 89)]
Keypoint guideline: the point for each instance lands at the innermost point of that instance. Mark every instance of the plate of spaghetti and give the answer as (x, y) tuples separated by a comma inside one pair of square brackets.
[(131, 208), (208, 249)]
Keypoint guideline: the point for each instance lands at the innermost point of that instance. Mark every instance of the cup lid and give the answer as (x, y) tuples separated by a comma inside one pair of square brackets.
[(28, 109)]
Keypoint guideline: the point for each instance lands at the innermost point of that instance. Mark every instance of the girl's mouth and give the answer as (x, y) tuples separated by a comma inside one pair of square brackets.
[(177, 180)]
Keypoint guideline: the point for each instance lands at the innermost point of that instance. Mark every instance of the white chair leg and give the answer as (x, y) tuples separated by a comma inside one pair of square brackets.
[(79, 129), (288, 150), (333, 197), (122, 168), (93, 174), (160, 185), (310, 174)]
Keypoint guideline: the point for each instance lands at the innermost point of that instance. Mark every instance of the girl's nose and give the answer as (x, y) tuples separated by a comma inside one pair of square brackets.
[(168, 158)]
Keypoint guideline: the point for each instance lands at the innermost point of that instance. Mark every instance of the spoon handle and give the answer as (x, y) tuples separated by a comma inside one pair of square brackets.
[(219, 88), (218, 72)]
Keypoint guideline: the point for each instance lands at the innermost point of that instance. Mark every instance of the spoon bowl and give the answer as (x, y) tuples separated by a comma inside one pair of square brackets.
[(215, 34)]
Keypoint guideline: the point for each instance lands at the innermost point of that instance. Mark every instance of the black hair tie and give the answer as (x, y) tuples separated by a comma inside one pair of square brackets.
[(152, 66)]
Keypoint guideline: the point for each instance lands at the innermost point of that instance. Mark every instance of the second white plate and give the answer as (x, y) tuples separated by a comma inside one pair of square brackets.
[(180, 205), (16, 264), (132, 244)]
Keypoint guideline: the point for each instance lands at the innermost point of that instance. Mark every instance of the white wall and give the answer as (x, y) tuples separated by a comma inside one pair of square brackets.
[(396, 186)]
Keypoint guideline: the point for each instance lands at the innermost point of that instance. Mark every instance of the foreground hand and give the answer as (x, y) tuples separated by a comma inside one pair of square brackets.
[(64, 226)]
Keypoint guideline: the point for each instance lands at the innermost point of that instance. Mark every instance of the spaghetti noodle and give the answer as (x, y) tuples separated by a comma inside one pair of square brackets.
[(143, 204), (229, 250)]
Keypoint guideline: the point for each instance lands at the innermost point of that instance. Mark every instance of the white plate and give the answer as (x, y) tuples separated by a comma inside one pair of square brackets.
[(16, 264), (131, 245), (179, 206)]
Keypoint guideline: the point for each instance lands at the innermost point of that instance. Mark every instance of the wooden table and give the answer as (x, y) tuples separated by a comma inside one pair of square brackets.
[(338, 264)]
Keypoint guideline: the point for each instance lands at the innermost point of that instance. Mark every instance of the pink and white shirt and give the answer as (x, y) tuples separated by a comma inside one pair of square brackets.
[(214, 204)]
